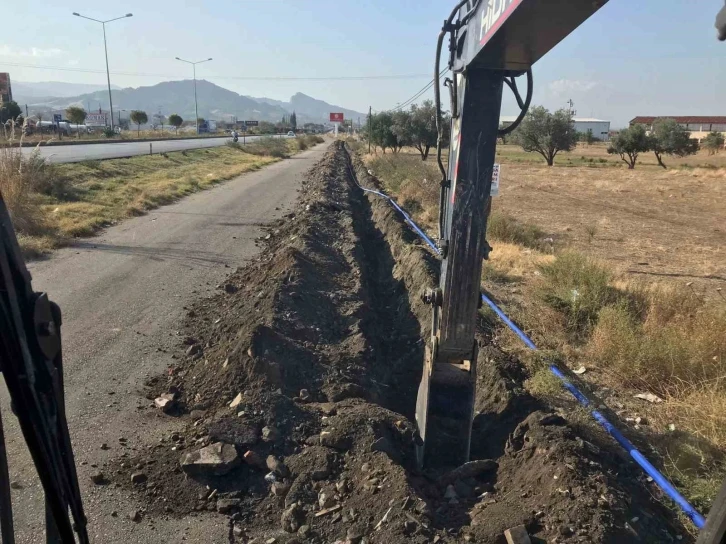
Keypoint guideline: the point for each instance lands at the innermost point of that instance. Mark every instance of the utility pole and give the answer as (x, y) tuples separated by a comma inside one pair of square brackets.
[(194, 72), (105, 48), (370, 115), (26, 111)]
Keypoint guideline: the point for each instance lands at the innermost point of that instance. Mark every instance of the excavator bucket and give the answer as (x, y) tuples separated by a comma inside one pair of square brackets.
[(445, 411)]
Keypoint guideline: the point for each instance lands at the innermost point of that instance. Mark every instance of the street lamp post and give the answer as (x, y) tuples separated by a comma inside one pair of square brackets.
[(105, 48), (194, 72)]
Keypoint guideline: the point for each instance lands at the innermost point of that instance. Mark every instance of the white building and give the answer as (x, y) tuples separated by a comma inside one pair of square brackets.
[(600, 129)]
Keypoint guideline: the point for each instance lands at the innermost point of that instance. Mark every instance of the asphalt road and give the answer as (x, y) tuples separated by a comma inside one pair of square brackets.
[(77, 153), (123, 296)]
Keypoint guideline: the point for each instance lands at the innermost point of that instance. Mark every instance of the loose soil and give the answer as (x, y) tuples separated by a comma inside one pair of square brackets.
[(323, 336)]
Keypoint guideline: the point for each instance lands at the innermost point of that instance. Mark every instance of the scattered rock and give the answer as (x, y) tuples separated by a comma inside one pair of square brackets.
[(517, 535), (580, 370), (104, 446), (277, 466), (189, 340), (194, 349), (303, 531), (254, 460), (270, 434), (236, 401), (336, 439), (135, 516), (213, 460), (165, 402), (650, 397), (226, 506), (97, 478), (326, 499), (17, 485), (138, 478), (280, 489), (292, 518), (355, 533), (304, 395), (229, 288), (472, 469), (641, 421)]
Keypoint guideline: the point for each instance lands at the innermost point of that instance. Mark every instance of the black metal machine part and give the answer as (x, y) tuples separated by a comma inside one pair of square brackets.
[(31, 363)]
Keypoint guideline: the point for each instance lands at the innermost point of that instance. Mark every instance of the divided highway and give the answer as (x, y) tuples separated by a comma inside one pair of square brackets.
[(111, 150)]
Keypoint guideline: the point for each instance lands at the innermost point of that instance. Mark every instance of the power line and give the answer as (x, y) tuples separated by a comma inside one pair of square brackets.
[(215, 76), (419, 93)]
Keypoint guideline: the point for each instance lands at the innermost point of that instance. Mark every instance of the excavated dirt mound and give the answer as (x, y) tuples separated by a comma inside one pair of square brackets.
[(307, 362)]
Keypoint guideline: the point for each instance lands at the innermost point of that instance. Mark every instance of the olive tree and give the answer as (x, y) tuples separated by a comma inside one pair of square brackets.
[(629, 143), (176, 121), (139, 118), (77, 116), (546, 133), (714, 142), (670, 138)]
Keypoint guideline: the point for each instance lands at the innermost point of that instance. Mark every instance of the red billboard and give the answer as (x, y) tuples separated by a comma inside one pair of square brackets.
[(336, 117)]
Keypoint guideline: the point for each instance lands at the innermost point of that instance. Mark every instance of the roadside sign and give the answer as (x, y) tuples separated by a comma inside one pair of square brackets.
[(57, 118), (96, 119), (252, 123), (336, 117)]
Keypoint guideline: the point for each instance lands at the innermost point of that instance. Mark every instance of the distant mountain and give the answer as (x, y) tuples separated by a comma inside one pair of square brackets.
[(215, 102), (24, 91)]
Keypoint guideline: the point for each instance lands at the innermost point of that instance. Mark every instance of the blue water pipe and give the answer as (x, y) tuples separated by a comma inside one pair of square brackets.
[(667, 487)]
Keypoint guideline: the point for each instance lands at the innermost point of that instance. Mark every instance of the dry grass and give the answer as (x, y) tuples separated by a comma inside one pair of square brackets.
[(84, 197)]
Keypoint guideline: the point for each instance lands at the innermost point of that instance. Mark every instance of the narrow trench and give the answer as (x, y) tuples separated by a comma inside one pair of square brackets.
[(389, 324)]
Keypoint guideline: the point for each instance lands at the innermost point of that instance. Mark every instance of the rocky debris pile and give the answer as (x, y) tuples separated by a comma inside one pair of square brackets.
[(299, 392)]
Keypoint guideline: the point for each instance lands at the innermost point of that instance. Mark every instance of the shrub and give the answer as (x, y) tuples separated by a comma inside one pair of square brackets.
[(20, 177), (272, 147), (302, 143), (668, 340), (109, 132), (507, 229), (578, 287)]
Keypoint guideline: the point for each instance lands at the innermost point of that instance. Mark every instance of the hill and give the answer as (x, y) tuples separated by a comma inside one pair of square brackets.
[(215, 102)]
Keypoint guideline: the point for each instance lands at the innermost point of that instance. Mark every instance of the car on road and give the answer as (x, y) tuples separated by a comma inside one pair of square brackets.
[(291, 133)]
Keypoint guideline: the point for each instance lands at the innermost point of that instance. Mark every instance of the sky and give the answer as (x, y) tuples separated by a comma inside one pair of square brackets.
[(633, 57)]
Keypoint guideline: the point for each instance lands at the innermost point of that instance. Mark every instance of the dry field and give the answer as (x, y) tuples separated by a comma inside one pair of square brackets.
[(648, 221)]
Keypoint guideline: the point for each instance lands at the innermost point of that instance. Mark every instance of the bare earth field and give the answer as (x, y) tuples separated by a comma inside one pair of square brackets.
[(647, 221)]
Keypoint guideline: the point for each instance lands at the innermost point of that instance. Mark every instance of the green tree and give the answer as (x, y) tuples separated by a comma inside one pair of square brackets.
[(424, 133), (629, 143), (265, 127), (176, 121), (9, 110), (402, 129), (139, 118), (714, 142), (77, 116), (546, 133), (381, 131), (670, 138), (293, 122)]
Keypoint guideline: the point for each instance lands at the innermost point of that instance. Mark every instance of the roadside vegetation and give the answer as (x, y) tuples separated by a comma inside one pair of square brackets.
[(559, 272), (51, 204)]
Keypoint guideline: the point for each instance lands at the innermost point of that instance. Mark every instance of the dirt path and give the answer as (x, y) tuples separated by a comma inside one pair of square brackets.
[(123, 297), (303, 372)]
